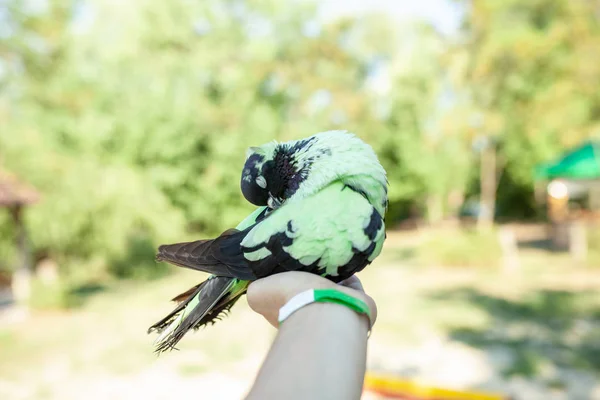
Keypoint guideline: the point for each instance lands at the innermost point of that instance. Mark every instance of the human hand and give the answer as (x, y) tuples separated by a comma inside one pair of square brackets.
[(267, 295)]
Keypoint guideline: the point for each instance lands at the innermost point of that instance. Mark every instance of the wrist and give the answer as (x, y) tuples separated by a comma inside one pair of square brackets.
[(326, 317), (351, 300)]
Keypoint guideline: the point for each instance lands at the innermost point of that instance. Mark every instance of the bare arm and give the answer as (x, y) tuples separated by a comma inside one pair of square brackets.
[(320, 350)]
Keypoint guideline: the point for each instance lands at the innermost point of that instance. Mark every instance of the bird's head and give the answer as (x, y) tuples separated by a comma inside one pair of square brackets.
[(274, 171), (257, 173), (277, 172)]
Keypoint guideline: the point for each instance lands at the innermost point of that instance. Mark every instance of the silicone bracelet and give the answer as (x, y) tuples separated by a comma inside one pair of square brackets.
[(323, 296)]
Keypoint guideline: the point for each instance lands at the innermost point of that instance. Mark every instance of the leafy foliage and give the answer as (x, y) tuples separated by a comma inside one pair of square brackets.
[(133, 120)]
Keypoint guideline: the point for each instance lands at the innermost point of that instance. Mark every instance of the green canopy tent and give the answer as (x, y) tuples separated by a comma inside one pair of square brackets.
[(582, 163), (575, 175)]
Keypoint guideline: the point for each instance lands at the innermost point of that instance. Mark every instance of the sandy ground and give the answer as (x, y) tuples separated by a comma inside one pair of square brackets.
[(101, 351)]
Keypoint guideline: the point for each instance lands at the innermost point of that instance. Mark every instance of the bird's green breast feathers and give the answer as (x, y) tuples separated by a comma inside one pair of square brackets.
[(328, 226)]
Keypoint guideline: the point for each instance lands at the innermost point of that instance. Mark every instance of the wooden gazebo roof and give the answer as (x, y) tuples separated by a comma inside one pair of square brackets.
[(13, 192)]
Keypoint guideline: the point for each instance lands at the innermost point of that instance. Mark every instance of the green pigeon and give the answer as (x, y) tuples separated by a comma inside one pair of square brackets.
[(322, 202)]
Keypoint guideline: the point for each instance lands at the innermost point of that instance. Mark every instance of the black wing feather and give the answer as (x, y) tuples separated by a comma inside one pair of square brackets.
[(211, 255), (163, 323), (213, 301)]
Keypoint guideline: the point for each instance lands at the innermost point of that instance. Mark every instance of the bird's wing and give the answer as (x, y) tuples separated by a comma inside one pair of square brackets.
[(334, 233), (204, 255)]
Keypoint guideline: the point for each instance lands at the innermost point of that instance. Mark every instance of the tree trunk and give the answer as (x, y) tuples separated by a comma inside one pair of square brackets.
[(21, 282), (435, 208), (578, 246), (488, 184), (455, 200), (510, 250)]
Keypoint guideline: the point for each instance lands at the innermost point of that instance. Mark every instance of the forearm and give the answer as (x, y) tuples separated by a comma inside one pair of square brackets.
[(319, 353)]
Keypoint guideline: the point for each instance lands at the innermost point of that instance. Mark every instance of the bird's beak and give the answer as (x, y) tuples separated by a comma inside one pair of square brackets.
[(273, 202)]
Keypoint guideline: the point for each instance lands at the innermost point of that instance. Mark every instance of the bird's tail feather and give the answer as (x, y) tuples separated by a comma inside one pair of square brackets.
[(200, 305)]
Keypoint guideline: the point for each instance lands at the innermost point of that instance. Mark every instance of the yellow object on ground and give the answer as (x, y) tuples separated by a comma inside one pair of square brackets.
[(393, 387)]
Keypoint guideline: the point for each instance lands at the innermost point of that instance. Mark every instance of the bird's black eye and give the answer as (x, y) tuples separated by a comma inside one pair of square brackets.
[(253, 184)]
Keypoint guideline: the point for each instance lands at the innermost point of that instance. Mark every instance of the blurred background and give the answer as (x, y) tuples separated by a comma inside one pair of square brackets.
[(124, 124)]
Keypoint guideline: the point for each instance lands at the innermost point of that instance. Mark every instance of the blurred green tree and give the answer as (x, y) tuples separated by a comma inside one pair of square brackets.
[(132, 118), (532, 81)]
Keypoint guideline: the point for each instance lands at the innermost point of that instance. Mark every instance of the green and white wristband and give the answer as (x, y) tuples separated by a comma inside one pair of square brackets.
[(323, 296)]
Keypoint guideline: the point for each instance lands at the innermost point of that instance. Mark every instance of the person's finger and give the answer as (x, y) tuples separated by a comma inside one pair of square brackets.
[(267, 295), (354, 283), (373, 307), (263, 297)]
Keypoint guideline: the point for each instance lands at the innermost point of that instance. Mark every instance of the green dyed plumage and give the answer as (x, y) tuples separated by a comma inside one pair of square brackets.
[(326, 198), (336, 156), (326, 226)]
